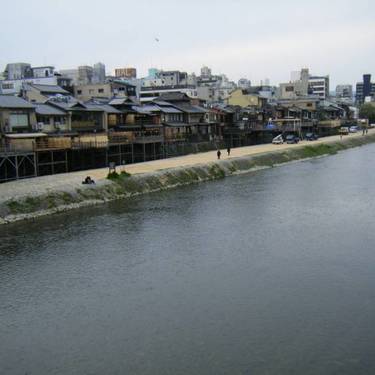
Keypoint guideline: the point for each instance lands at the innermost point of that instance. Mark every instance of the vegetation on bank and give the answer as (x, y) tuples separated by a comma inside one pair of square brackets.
[(367, 111), (114, 176), (122, 185)]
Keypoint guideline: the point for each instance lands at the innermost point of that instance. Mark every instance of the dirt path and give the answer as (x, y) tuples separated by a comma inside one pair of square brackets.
[(71, 181)]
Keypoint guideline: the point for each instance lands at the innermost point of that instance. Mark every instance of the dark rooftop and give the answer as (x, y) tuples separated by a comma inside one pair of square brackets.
[(8, 101)]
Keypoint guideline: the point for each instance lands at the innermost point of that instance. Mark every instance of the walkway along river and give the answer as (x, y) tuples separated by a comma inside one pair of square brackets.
[(31, 198), (264, 273)]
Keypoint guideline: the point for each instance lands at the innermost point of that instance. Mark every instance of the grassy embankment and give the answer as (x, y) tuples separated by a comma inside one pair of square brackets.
[(124, 185)]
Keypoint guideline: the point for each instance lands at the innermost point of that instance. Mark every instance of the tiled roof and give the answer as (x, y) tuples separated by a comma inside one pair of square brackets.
[(8, 101)]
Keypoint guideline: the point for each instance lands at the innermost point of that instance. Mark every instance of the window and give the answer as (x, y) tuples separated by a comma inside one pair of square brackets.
[(60, 119), (18, 120), (100, 91), (7, 86), (79, 92)]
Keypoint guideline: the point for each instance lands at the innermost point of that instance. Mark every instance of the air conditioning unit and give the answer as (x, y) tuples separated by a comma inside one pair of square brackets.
[(57, 125), (39, 126)]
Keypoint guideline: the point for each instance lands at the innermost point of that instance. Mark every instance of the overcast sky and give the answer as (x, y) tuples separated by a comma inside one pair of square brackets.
[(241, 38)]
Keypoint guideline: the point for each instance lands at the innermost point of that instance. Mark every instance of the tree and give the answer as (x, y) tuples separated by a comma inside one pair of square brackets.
[(367, 110)]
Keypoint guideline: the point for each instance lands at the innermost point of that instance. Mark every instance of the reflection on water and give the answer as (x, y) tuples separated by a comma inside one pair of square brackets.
[(268, 273)]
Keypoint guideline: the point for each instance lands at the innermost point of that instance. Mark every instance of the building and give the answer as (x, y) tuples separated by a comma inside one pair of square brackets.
[(213, 88), (243, 83), (51, 119), (85, 74), (126, 73), (16, 115), (98, 73), (365, 90), (304, 84), (319, 86), (43, 71), (18, 71), (15, 86), (152, 73), (206, 72), (162, 82), (244, 99), (105, 90), (72, 74), (41, 93), (344, 91)]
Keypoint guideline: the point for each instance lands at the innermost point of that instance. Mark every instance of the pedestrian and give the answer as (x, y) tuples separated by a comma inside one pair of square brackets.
[(218, 154), (228, 151)]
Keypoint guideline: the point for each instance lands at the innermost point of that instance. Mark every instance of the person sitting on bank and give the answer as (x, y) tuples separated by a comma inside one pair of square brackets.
[(88, 181), (228, 151)]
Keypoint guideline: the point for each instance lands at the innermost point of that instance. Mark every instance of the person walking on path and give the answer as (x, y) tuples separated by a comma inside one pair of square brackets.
[(228, 151), (218, 154)]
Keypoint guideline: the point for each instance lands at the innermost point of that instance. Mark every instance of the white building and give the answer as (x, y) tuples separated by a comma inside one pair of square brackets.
[(319, 86), (43, 71)]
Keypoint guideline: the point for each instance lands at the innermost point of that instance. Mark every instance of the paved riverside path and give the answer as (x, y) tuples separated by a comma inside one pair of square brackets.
[(71, 181)]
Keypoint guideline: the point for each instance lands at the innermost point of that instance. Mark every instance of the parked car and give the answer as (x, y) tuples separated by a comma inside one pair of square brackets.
[(291, 138), (311, 137), (353, 129), (278, 140), (344, 130)]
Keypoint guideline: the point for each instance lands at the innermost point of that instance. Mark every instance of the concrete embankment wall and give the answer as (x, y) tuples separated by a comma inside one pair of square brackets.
[(125, 186)]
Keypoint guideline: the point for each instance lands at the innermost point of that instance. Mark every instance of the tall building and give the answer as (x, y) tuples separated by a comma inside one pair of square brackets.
[(98, 73), (126, 73), (344, 91), (18, 71), (85, 74), (303, 84), (365, 89), (206, 72), (319, 86), (71, 74)]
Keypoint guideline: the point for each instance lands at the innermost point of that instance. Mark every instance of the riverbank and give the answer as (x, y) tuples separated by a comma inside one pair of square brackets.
[(27, 199)]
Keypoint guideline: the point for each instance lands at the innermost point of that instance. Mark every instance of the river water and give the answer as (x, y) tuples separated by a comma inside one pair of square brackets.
[(267, 273)]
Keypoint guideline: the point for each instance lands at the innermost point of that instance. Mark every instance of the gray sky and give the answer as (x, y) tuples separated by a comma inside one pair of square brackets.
[(241, 38)]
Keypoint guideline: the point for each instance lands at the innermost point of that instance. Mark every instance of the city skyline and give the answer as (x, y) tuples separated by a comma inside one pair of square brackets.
[(254, 41)]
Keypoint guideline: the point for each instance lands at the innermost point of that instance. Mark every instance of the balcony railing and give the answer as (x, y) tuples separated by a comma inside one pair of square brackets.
[(330, 123), (86, 125), (149, 139), (83, 145)]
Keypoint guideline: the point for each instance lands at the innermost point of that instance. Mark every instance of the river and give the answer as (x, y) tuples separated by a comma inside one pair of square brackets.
[(266, 273)]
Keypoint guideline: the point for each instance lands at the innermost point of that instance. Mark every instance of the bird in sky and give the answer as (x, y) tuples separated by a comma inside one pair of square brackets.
[(157, 40)]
